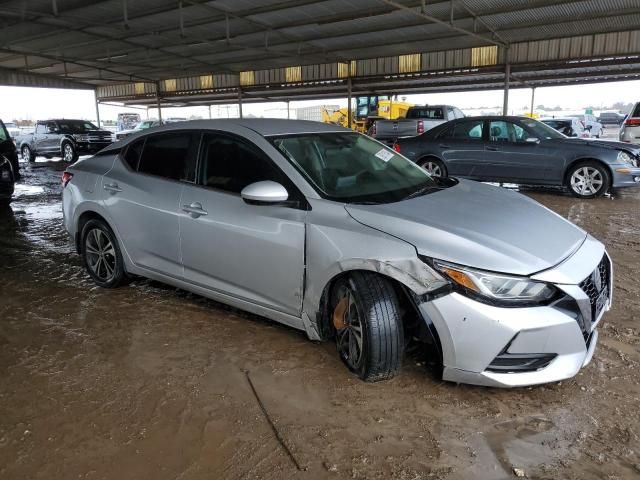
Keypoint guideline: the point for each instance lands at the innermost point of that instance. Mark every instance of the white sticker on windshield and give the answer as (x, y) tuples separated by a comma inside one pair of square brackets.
[(384, 155)]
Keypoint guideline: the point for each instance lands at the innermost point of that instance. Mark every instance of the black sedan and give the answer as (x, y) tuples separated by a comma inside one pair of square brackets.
[(524, 151)]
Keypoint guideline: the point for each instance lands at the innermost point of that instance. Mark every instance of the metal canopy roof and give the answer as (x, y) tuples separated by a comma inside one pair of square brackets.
[(90, 43)]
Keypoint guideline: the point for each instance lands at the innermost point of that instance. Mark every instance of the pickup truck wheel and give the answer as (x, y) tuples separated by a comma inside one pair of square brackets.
[(69, 152), (588, 179), (101, 255), (369, 332), (27, 154), (433, 166)]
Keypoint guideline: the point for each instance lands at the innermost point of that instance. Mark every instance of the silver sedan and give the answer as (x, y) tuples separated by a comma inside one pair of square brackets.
[(333, 233)]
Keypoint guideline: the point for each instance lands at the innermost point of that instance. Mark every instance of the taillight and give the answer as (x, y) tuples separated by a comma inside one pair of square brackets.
[(396, 147), (373, 129), (66, 178), (632, 121), (420, 126)]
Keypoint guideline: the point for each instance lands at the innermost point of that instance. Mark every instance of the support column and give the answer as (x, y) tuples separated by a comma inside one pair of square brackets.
[(533, 96), (158, 102), (209, 112), (240, 102), (505, 103), (95, 96), (349, 112), (288, 111)]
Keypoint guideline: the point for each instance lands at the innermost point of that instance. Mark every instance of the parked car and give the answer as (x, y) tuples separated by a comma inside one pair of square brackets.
[(8, 164), (591, 124), (611, 118), (418, 120), (630, 131), (139, 127), (526, 151), (13, 129), (570, 126), (63, 138), (330, 232)]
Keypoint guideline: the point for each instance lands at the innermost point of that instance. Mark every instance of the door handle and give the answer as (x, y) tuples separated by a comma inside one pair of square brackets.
[(444, 146), (112, 187), (492, 149), (194, 209)]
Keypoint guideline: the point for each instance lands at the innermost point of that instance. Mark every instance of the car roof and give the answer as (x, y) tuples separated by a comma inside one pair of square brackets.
[(569, 119), (263, 126)]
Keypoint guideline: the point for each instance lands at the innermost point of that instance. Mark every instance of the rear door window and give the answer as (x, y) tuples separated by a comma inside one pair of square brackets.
[(170, 155), (471, 130)]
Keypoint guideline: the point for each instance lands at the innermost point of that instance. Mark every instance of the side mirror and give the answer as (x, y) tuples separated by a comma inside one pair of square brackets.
[(532, 140), (265, 192)]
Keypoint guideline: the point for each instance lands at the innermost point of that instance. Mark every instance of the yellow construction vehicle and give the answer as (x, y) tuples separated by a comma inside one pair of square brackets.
[(368, 109)]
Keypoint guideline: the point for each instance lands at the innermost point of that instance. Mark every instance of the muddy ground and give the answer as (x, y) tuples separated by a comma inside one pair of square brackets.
[(147, 382)]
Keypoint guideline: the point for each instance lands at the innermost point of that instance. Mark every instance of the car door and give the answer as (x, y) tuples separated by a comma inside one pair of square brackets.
[(142, 192), (462, 148), (251, 252), (50, 141), (510, 157), (40, 136)]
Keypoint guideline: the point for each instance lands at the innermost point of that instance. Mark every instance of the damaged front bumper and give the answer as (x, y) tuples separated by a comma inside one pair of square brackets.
[(512, 347)]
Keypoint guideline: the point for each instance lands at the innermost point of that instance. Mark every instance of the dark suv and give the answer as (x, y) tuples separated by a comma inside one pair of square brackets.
[(8, 165), (63, 138)]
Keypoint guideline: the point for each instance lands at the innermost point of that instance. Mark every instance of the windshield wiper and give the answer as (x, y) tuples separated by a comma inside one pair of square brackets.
[(423, 191)]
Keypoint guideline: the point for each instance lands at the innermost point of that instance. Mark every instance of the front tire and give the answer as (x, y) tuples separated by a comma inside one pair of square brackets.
[(69, 153), (369, 333), (588, 179), (27, 154), (101, 255), (433, 166)]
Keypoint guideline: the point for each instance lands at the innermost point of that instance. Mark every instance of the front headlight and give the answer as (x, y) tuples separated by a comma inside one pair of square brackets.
[(626, 157), (493, 288), (80, 137)]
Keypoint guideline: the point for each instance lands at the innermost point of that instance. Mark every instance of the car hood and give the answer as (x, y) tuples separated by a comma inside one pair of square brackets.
[(477, 225), (591, 142)]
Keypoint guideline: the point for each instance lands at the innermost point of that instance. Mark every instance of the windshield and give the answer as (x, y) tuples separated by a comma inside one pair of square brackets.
[(10, 125), (351, 168), (76, 126), (143, 125), (540, 130)]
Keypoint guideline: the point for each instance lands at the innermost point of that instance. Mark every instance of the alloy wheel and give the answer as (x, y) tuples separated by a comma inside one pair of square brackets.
[(101, 255), (348, 323), (586, 181), (432, 168), (26, 153), (68, 153)]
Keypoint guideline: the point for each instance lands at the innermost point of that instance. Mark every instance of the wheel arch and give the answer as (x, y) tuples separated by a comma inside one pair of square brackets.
[(565, 177), (411, 319)]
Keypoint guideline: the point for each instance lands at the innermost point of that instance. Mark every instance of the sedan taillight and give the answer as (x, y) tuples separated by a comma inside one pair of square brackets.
[(396, 147), (66, 178), (632, 122), (420, 127)]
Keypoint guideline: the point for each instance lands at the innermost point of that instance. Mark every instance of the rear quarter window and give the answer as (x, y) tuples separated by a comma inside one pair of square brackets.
[(636, 111)]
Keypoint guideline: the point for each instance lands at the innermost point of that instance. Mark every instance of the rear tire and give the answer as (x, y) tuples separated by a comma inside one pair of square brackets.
[(433, 166), (101, 255), (588, 179), (369, 332)]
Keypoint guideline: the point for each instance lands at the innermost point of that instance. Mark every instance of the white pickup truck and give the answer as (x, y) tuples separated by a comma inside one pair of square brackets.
[(419, 119)]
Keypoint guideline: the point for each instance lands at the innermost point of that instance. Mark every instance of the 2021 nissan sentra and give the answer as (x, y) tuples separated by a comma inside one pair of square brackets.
[(332, 233), (523, 150)]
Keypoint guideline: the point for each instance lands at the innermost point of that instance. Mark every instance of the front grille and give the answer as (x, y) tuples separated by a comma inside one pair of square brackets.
[(99, 137), (595, 283)]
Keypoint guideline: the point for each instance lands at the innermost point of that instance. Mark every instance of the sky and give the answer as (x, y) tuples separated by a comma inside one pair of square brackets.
[(40, 103)]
